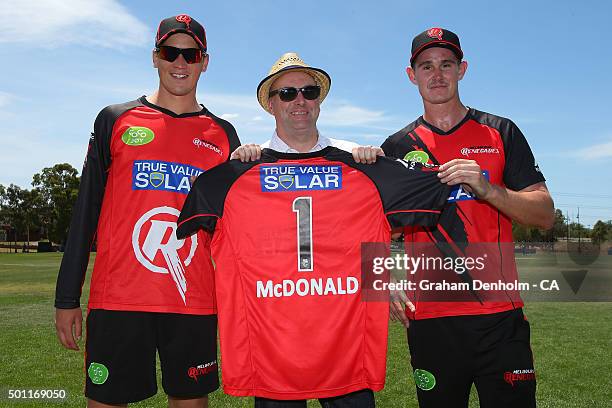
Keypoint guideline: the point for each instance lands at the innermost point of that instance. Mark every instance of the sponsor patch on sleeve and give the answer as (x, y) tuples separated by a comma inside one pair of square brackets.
[(287, 177)]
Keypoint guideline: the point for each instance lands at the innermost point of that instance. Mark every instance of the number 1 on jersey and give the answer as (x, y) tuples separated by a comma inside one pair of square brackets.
[(302, 206)]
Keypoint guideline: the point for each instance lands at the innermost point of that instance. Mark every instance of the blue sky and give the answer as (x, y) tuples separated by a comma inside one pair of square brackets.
[(545, 64)]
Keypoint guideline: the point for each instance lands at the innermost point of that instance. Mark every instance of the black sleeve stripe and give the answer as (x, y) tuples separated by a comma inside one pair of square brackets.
[(520, 168), (230, 131), (86, 211)]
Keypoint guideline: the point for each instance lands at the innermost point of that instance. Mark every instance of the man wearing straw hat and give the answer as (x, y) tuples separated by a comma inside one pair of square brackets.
[(292, 92)]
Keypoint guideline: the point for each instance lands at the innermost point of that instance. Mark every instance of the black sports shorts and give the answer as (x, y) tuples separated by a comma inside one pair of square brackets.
[(120, 361), (492, 351), (358, 399)]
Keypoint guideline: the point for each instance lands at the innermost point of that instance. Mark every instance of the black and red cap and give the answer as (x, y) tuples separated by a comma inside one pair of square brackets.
[(181, 24), (436, 37)]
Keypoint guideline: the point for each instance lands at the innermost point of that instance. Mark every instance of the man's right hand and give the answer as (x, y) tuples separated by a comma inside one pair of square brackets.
[(246, 153), (69, 326), (367, 154)]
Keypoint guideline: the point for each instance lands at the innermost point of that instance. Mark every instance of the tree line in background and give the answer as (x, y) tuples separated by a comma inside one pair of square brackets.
[(562, 229), (43, 213)]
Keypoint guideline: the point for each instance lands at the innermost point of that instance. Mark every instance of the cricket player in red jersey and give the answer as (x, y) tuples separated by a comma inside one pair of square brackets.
[(495, 179), (150, 292)]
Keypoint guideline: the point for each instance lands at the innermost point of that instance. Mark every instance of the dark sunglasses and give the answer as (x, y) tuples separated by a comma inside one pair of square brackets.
[(191, 55), (288, 94)]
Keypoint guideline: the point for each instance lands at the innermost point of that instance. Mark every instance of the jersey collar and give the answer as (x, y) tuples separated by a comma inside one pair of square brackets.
[(468, 116)]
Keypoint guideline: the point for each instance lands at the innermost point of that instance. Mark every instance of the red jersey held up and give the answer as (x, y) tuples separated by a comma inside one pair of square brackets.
[(288, 231)]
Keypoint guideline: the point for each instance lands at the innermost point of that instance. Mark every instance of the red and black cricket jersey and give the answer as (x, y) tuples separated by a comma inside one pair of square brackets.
[(287, 242), (506, 159), (134, 182)]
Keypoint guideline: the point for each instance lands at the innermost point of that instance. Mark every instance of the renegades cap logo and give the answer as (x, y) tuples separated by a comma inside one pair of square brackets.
[(184, 18), (435, 33)]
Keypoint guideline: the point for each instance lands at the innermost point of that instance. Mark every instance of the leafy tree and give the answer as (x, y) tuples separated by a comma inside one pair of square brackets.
[(58, 188), (600, 232), (4, 221), (578, 230), (520, 232), (559, 228), (535, 235), (18, 208)]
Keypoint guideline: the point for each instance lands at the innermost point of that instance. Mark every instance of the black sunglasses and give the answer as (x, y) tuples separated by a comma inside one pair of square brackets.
[(288, 94), (191, 55)]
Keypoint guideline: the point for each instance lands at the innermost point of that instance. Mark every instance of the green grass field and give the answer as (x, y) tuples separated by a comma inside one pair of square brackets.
[(571, 343)]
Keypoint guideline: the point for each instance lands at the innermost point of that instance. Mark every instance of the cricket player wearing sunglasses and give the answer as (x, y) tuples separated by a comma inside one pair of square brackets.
[(151, 293)]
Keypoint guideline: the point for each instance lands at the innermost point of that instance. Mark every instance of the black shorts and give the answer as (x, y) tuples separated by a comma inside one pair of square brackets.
[(357, 399), (492, 351), (120, 354)]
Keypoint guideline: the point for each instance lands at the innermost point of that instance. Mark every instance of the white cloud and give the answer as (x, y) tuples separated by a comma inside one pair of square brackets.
[(341, 114), (599, 151), (52, 23), (228, 116), (247, 102), (5, 98)]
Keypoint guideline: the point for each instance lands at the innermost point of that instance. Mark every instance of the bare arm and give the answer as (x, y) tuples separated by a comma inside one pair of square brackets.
[(532, 205)]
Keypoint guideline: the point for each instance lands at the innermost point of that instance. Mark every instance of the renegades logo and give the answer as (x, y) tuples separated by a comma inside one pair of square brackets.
[(519, 375), (159, 250), (202, 369), (435, 33), (184, 18)]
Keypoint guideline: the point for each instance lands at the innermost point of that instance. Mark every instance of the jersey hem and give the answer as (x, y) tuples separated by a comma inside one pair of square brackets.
[(149, 308), (299, 395), (471, 312)]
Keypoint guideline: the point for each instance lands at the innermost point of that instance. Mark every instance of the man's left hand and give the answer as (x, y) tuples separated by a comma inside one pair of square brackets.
[(467, 173)]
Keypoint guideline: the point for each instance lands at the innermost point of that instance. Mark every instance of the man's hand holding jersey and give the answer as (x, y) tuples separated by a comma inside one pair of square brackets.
[(530, 206), (362, 154)]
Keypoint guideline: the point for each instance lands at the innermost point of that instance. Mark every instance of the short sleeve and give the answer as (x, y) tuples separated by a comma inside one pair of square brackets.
[(520, 169)]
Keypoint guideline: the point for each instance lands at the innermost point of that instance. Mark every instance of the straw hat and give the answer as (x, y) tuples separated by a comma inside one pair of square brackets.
[(291, 62)]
